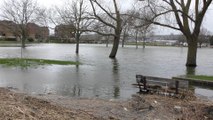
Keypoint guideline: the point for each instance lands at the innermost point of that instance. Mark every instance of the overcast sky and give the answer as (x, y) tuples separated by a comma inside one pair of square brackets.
[(208, 21)]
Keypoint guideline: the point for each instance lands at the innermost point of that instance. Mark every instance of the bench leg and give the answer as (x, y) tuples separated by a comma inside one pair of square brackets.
[(140, 88), (176, 87)]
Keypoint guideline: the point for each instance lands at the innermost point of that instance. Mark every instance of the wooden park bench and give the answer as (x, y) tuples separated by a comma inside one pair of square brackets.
[(156, 84)]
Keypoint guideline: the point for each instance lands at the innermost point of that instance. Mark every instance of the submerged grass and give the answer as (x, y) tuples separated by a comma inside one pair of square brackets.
[(201, 77), (27, 62)]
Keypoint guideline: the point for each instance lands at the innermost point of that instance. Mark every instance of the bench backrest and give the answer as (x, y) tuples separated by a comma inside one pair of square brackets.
[(162, 81)]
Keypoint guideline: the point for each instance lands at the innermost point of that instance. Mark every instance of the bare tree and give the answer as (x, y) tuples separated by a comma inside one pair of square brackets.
[(141, 33), (75, 14), (113, 21), (21, 12), (188, 16), (107, 37), (139, 28), (126, 26), (125, 33), (204, 37), (181, 39), (211, 41)]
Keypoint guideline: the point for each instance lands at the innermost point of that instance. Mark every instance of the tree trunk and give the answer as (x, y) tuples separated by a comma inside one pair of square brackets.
[(23, 42), (107, 41), (144, 42), (124, 38), (123, 41), (23, 45), (192, 53), (200, 44), (77, 38), (115, 47), (136, 39)]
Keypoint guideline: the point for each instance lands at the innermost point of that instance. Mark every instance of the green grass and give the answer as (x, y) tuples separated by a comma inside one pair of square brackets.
[(201, 77), (27, 62)]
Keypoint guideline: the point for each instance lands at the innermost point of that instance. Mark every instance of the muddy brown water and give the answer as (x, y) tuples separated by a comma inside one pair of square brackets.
[(99, 76)]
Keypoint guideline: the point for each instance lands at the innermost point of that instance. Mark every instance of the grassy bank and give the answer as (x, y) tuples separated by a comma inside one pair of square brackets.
[(200, 77), (197, 80), (27, 62)]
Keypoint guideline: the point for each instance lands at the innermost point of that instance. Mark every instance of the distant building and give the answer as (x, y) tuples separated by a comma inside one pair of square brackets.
[(166, 42), (65, 32), (9, 29), (37, 32)]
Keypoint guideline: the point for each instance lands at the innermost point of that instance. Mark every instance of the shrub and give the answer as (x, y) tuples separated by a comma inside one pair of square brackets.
[(10, 39), (211, 40), (30, 39)]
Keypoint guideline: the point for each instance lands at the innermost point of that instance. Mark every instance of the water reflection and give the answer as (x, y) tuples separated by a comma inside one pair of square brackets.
[(116, 91), (190, 71), (116, 74), (97, 76), (115, 66), (77, 59), (76, 91)]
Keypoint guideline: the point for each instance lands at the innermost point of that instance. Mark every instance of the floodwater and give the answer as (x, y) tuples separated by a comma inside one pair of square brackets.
[(99, 76)]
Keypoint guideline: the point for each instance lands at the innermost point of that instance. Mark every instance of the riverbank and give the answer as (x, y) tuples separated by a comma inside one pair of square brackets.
[(21, 106), (141, 107), (200, 77), (206, 81)]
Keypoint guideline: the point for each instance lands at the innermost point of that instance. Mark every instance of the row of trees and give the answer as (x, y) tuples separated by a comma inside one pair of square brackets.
[(203, 39), (188, 16), (94, 16)]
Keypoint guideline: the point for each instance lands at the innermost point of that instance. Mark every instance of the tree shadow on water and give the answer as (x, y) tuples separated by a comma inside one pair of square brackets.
[(190, 71), (116, 76), (115, 66)]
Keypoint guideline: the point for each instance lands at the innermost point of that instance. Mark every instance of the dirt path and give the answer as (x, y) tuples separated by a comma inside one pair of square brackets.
[(140, 107), (20, 106)]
